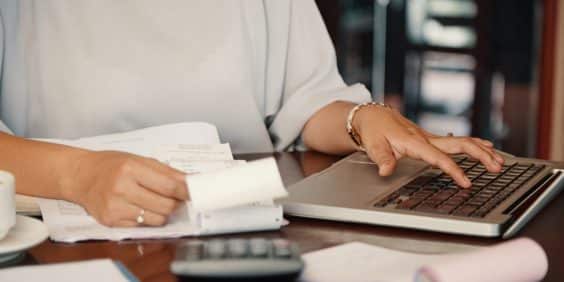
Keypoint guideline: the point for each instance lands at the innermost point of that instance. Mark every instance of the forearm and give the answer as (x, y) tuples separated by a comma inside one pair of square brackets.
[(41, 169), (326, 130)]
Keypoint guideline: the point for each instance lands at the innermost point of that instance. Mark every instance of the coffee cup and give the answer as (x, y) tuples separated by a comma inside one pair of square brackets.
[(7, 203)]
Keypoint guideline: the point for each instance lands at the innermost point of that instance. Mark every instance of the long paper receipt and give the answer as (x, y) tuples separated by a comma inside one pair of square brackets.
[(254, 181)]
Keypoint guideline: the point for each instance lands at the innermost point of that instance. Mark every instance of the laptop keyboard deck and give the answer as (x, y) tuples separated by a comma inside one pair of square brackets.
[(436, 192)]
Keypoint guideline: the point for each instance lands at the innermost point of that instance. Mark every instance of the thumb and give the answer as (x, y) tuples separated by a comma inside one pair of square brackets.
[(381, 153)]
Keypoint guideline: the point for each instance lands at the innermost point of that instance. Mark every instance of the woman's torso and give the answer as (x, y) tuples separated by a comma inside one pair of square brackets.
[(82, 68)]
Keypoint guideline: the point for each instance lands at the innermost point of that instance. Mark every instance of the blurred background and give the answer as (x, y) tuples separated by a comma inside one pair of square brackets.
[(471, 67)]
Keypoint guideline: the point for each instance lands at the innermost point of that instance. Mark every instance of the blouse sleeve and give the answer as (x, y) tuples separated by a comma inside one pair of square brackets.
[(3, 127), (312, 79)]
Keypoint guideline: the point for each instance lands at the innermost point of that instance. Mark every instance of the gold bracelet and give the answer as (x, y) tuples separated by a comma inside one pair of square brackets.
[(350, 129)]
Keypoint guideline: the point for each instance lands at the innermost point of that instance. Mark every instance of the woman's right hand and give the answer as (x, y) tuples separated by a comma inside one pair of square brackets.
[(114, 188)]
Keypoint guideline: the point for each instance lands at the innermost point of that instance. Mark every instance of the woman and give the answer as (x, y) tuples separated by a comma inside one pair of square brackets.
[(264, 72)]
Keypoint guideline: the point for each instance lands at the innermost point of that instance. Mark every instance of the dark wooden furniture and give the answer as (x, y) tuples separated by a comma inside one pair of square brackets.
[(149, 259)]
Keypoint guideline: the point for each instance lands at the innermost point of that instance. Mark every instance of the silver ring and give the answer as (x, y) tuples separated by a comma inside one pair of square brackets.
[(141, 217)]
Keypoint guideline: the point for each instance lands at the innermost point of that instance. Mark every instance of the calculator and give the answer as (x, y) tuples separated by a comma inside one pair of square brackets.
[(256, 259)]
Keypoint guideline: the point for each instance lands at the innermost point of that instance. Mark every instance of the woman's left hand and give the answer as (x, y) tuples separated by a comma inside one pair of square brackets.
[(387, 136)]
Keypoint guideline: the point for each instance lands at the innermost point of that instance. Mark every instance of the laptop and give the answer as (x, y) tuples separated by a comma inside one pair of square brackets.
[(419, 196)]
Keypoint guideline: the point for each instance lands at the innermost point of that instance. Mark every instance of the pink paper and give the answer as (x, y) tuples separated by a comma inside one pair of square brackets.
[(518, 260)]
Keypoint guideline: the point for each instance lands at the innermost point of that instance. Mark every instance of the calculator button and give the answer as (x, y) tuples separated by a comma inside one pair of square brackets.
[(258, 247), (194, 250), (216, 248), (280, 243), (281, 248), (237, 248)]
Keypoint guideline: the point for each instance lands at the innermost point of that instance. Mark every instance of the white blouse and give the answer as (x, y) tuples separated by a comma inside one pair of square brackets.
[(256, 69)]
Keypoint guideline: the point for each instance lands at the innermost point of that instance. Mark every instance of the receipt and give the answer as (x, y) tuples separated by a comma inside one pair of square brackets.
[(247, 183)]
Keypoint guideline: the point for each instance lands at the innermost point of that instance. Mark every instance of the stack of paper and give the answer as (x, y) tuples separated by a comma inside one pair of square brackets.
[(214, 178)]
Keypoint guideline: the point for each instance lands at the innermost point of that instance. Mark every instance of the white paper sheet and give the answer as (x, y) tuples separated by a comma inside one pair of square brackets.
[(144, 142), (84, 271), (194, 152), (238, 185), (361, 262)]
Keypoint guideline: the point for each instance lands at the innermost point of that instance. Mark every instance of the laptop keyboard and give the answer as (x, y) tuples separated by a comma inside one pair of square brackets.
[(436, 192)]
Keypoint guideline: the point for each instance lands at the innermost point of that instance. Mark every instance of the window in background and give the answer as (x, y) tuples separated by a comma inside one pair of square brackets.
[(461, 66)]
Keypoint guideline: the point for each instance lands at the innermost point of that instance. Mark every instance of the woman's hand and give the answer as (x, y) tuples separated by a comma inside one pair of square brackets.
[(387, 136), (115, 187)]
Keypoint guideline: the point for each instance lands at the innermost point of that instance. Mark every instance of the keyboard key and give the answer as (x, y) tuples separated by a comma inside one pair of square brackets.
[(488, 176), (446, 209), (465, 210), (454, 201), (406, 191), (421, 194), (425, 208), (465, 194), (479, 183), (432, 202), (481, 212), (458, 159), (409, 204), (281, 248)]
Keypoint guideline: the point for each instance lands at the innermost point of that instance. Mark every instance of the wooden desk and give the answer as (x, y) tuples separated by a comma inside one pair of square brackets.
[(149, 259)]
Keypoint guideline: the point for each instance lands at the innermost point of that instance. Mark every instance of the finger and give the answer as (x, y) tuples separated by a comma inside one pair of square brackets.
[(456, 145), (175, 173), (160, 183), (484, 142), (178, 175), (149, 200), (430, 154), (381, 153), (498, 158), (149, 218), (126, 223)]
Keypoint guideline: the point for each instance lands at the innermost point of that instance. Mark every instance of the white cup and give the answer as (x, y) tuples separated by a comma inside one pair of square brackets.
[(7, 203)]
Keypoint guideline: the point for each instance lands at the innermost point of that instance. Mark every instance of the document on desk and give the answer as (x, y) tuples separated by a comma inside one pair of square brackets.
[(84, 271), (516, 260), (216, 174)]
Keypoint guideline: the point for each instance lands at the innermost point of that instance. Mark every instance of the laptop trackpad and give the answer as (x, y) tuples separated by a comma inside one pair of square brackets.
[(352, 182)]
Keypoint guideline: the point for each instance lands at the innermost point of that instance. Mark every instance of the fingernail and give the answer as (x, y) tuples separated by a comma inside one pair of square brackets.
[(467, 182)]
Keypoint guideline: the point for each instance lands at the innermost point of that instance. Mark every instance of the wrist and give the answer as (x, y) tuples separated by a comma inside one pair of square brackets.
[(72, 174), (359, 116)]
